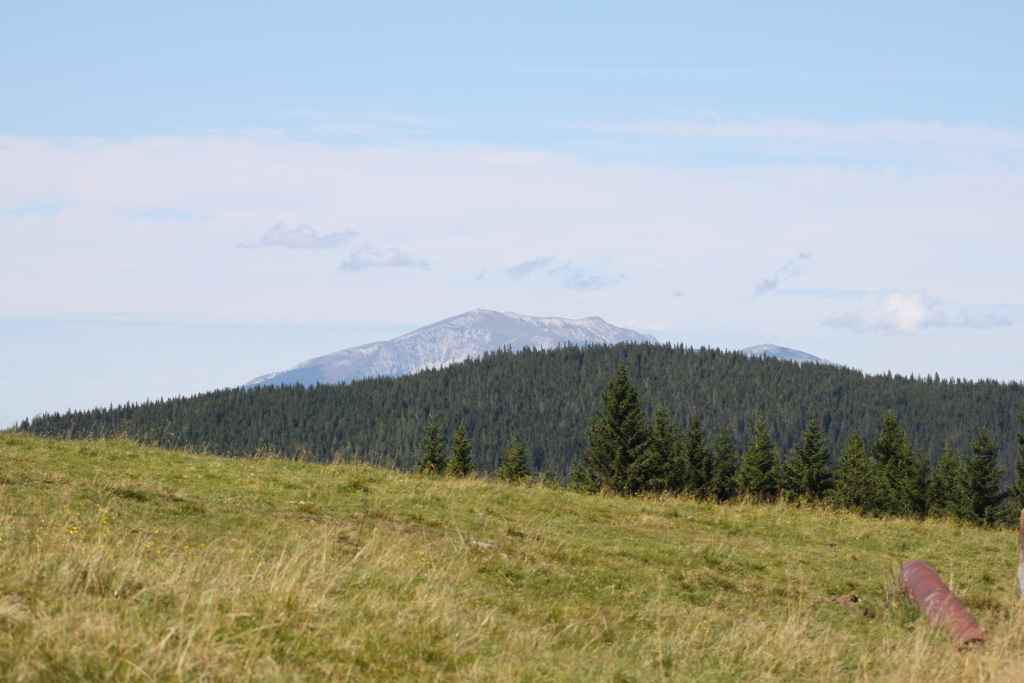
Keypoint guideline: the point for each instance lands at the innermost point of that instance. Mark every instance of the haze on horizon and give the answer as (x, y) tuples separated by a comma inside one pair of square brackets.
[(194, 195)]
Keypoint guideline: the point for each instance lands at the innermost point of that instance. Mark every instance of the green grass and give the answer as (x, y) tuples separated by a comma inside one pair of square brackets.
[(119, 561)]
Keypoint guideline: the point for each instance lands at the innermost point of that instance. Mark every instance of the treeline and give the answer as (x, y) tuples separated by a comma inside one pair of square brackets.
[(629, 454), (546, 398)]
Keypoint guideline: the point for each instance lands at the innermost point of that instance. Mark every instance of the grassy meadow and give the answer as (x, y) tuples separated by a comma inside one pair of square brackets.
[(124, 562)]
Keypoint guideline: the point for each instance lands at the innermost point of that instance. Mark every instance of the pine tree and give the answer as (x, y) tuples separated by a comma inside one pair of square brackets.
[(948, 495), (723, 458), (760, 474), (434, 461), (695, 460), (650, 471), (905, 472), (513, 468), (617, 437), (461, 464), (806, 472), (856, 479), (983, 501), (1016, 490)]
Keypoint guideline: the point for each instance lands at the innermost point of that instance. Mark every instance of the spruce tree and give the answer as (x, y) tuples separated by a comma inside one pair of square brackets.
[(806, 471), (549, 478), (1016, 490), (461, 464), (617, 436), (651, 470), (695, 459), (434, 460), (723, 458), (981, 481), (905, 472), (948, 494), (760, 474), (513, 468), (856, 479)]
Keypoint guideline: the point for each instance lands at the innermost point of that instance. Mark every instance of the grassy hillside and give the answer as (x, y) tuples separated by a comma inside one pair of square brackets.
[(119, 561)]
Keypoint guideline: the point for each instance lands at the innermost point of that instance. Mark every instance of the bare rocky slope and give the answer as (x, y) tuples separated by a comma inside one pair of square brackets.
[(455, 339)]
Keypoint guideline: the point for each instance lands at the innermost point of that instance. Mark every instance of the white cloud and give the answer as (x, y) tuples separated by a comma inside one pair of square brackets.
[(518, 272), (302, 237), (906, 313), (365, 256)]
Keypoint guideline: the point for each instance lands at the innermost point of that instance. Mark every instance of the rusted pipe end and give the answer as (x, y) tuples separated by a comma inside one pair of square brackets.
[(935, 599)]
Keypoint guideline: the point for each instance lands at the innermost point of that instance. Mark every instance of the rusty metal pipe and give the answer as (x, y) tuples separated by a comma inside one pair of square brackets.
[(1020, 558), (935, 599)]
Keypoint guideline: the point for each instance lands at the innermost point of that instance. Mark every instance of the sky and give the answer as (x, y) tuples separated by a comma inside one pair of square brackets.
[(195, 194)]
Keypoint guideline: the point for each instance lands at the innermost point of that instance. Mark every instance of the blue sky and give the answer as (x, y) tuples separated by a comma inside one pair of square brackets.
[(191, 196)]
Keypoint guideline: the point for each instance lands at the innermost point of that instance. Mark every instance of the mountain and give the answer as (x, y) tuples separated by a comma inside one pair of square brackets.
[(469, 335), (786, 354)]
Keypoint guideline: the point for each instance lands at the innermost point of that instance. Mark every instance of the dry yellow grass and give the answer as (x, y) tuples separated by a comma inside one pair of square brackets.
[(122, 562)]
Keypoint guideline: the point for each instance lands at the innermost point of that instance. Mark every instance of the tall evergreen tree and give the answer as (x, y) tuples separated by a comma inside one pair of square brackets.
[(695, 460), (760, 473), (948, 493), (723, 457), (513, 468), (806, 471), (651, 470), (617, 436), (435, 460), (461, 464), (983, 503), (905, 471), (856, 479), (1016, 490)]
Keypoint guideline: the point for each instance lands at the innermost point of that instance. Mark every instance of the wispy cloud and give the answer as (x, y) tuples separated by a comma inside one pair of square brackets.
[(978, 321), (578, 279), (786, 272), (302, 237), (365, 256), (885, 141), (518, 272), (572, 277), (764, 75), (908, 312)]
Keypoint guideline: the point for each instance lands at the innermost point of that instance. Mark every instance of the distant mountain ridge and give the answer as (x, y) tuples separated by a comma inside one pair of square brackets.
[(785, 354), (452, 340)]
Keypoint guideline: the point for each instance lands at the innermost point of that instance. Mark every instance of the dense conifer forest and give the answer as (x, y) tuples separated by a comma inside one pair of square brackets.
[(546, 398)]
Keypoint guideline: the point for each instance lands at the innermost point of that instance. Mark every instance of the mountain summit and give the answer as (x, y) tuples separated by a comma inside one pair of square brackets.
[(469, 335), (784, 353)]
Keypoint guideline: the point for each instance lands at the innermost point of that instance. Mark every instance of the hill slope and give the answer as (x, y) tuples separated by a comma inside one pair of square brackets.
[(546, 399), (469, 335), (123, 562)]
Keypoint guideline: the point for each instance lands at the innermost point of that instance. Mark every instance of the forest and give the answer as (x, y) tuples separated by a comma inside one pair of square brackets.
[(546, 398)]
